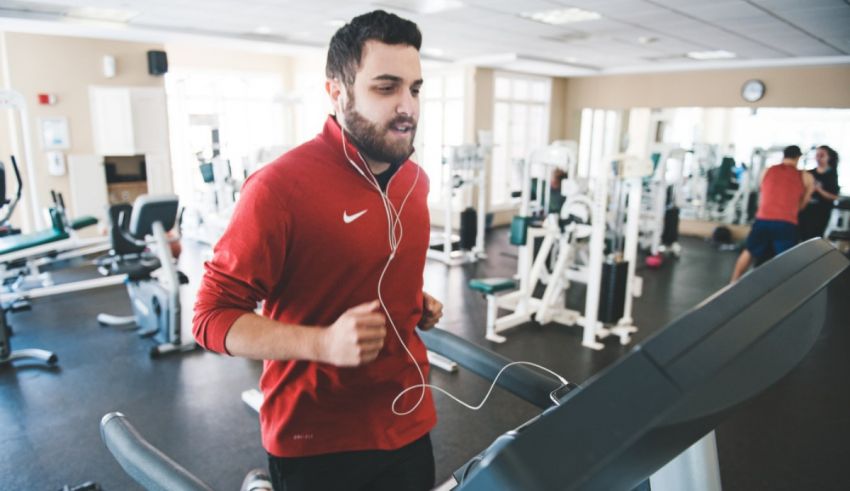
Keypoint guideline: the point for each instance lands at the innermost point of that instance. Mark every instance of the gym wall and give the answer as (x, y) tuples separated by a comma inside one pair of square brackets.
[(798, 86), (66, 67), (215, 58)]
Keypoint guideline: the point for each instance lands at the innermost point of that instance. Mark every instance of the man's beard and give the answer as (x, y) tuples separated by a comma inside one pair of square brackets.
[(371, 139)]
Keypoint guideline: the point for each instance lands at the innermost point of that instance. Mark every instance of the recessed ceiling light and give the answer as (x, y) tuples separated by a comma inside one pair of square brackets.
[(335, 23), (420, 6), (711, 55), (97, 13), (437, 52), (561, 16), (571, 59), (263, 30), (647, 39)]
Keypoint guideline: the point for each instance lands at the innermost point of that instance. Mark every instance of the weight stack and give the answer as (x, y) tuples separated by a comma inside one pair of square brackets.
[(612, 297), (468, 228), (670, 232)]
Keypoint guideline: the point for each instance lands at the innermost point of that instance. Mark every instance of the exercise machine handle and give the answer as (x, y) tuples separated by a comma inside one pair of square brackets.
[(10, 206), (146, 464), (17, 178), (520, 380)]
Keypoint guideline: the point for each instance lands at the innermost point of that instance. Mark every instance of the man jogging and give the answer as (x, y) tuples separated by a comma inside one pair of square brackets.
[(332, 238)]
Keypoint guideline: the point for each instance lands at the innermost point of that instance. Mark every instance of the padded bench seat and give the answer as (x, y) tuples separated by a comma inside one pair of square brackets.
[(15, 243), (490, 286), (83, 222)]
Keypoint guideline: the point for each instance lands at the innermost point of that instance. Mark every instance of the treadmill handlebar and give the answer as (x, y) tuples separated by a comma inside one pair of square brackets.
[(146, 464), (520, 380)]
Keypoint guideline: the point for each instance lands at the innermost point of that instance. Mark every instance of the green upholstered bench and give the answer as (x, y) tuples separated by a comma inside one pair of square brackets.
[(83, 222), (491, 286), (15, 243)]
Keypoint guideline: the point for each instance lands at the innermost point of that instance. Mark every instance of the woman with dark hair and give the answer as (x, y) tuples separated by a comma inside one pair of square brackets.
[(815, 216)]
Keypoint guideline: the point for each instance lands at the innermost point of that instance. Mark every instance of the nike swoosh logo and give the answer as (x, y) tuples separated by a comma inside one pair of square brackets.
[(350, 218)]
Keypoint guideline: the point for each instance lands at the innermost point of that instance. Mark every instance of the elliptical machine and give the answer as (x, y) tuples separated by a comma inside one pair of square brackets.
[(141, 250), (5, 227), (6, 353)]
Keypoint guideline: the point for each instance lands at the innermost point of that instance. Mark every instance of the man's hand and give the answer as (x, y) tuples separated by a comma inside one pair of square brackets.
[(432, 311), (355, 338)]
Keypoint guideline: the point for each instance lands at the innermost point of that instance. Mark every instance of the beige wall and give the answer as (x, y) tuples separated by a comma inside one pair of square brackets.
[(198, 57), (65, 67), (802, 86), (483, 97), (557, 122)]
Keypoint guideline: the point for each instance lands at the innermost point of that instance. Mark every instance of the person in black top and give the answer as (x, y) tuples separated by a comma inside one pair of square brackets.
[(814, 217)]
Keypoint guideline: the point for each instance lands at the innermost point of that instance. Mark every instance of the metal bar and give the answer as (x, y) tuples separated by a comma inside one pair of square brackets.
[(75, 286)]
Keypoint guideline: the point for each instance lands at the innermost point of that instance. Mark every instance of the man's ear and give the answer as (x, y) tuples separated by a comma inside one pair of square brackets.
[(334, 89)]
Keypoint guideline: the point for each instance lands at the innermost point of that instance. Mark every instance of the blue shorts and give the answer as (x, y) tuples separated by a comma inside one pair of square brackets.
[(771, 237)]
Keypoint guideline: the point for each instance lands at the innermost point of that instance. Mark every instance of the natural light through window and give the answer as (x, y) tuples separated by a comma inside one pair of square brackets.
[(520, 124)]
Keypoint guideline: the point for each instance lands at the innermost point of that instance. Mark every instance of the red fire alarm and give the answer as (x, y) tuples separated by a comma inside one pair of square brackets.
[(46, 99)]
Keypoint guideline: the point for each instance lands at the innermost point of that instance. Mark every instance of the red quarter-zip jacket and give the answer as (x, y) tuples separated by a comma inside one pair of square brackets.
[(309, 238)]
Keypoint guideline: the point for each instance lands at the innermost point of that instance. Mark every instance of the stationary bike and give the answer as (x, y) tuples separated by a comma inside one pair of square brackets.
[(141, 250), (6, 353)]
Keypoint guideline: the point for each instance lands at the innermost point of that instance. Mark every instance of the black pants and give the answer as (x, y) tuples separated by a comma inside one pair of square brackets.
[(410, 468), (813, 220)]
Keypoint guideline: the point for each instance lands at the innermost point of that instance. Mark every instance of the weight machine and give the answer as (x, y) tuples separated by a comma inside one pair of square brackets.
[(659, 232), (579, 218), (464, 174), (7, 355), (207, 219)]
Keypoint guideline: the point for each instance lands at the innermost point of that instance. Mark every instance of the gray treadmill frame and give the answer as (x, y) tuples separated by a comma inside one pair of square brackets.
[(625, 423)]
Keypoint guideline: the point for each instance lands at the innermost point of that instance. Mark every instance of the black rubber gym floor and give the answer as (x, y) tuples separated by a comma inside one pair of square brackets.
[(795, 436)]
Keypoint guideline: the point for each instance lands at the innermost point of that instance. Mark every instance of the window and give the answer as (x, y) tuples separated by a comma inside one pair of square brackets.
[(600, 131), (247, 109), (520, 124), (441, 123)]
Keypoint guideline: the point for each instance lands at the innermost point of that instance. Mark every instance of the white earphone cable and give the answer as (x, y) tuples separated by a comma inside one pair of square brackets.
[(395, 224)]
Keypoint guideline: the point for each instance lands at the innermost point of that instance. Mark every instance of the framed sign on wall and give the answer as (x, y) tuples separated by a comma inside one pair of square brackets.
[(54, 133)]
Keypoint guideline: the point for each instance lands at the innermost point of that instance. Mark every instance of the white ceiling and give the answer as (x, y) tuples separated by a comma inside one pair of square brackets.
[(491, 32)]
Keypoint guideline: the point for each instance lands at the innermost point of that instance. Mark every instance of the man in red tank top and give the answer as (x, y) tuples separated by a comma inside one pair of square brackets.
[(785, 190)]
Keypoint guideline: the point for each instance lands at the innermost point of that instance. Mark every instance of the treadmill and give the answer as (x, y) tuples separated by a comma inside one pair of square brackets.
[(629, 421)]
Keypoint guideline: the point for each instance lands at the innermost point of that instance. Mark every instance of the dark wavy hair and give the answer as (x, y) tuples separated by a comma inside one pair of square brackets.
[(831, 156), (346, 48)]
